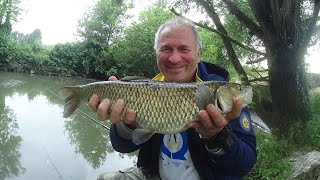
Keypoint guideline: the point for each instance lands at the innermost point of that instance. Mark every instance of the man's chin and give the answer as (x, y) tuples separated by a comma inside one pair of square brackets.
[(175, 79)]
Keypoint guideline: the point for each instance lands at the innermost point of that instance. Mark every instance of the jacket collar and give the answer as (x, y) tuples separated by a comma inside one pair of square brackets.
[(205, 72), (160, 77)]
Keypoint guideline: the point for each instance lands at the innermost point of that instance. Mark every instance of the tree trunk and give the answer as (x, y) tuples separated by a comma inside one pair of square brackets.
[(285, 47), (289, 90)]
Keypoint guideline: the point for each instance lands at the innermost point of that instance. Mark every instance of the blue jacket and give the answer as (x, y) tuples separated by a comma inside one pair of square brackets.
[(232, 165)]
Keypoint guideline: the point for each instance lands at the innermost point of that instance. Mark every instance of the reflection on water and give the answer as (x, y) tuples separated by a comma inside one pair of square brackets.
[(9, 144), (37, 143)]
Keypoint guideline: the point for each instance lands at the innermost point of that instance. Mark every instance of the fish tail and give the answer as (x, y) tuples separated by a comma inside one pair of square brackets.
[(72, 101), (204, 97)]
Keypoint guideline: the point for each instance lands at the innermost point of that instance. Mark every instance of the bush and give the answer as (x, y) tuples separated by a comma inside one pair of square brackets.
[(313, 125), (20, 56)]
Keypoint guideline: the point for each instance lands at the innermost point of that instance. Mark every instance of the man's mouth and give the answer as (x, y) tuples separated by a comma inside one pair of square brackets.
[(174, 67)]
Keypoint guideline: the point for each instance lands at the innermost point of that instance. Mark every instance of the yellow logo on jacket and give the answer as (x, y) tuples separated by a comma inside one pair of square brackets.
[(245, 123)]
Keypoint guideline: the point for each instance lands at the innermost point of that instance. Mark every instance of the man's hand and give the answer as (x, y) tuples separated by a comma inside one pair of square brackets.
[(211, 121), (103, 107)]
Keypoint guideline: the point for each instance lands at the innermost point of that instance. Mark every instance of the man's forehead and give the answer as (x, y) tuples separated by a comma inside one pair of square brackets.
[(176, 35), (170, 43), (176, 28)]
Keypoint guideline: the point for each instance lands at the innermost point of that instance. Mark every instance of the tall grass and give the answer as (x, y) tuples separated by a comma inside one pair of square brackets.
[(313, 125)]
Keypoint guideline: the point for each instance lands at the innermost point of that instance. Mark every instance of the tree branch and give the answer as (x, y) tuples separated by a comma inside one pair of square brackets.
[(260, 70), (260, 79), (257, 60), (244, 19), (220, 33), (208, 6)]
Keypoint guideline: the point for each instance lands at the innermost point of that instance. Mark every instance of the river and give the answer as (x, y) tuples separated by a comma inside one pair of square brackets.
[(36, 142)]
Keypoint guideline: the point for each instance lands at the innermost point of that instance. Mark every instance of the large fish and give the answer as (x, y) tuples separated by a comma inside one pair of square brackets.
[(161, 107)]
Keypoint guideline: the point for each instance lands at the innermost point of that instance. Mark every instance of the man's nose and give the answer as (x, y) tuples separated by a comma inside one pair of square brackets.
[(175, 57)]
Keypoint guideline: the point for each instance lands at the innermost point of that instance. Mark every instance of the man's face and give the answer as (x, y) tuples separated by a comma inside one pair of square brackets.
[(177, 56)]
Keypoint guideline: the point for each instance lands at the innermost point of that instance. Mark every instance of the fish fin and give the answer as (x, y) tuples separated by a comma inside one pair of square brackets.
[(68, 94), (141, 135), (134, 78), (204, 97)]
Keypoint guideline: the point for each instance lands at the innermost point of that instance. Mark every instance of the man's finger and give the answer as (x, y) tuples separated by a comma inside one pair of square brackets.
[(236, 109), (194, 124), (117, 110), (215, 114), (130, 117), (113, 78), (102, 109), (94, 102), (204, 118)]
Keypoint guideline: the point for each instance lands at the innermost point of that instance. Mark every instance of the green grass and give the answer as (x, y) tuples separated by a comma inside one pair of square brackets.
[(270, 164), (313, 125)]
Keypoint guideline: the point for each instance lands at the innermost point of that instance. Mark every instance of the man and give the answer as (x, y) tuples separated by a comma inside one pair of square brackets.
[(215, 147)]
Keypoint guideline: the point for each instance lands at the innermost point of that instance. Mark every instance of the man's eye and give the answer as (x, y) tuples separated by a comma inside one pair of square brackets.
[(165, 49), (184, 50)]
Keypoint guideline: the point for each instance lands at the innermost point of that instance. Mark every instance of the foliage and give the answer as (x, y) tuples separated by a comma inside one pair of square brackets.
[(66, 59), (23, 54), (32, 38), (212, 48), (99, 28), (135, 47), (270, 163), (103, 23), (241, 33), (6, 49)]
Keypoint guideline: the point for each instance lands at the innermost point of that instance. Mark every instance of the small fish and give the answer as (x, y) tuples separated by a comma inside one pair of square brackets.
[(161, 107)]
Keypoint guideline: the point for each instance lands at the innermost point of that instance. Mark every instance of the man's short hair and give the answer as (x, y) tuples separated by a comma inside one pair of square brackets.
[(178, 22)]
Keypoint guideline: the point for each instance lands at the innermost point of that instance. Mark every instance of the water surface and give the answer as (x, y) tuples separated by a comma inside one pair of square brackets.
[(36, 142)]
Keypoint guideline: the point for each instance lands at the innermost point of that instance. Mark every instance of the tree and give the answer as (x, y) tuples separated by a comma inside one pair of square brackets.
[(98, 28), (9, 11), (284, 28), (103, 23), (134, 50), (32, 38)]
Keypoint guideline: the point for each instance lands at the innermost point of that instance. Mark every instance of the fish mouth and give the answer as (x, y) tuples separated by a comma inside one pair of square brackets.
[(218, 105)]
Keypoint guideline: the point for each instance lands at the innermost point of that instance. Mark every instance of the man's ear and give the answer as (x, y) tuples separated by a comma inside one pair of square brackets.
[(198, 55)]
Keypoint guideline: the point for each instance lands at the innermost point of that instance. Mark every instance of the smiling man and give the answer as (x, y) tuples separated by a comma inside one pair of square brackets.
[(177, 53), (214, 147)]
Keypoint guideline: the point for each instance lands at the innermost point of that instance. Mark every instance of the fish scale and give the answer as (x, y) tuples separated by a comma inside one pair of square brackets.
[(161, 107)]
